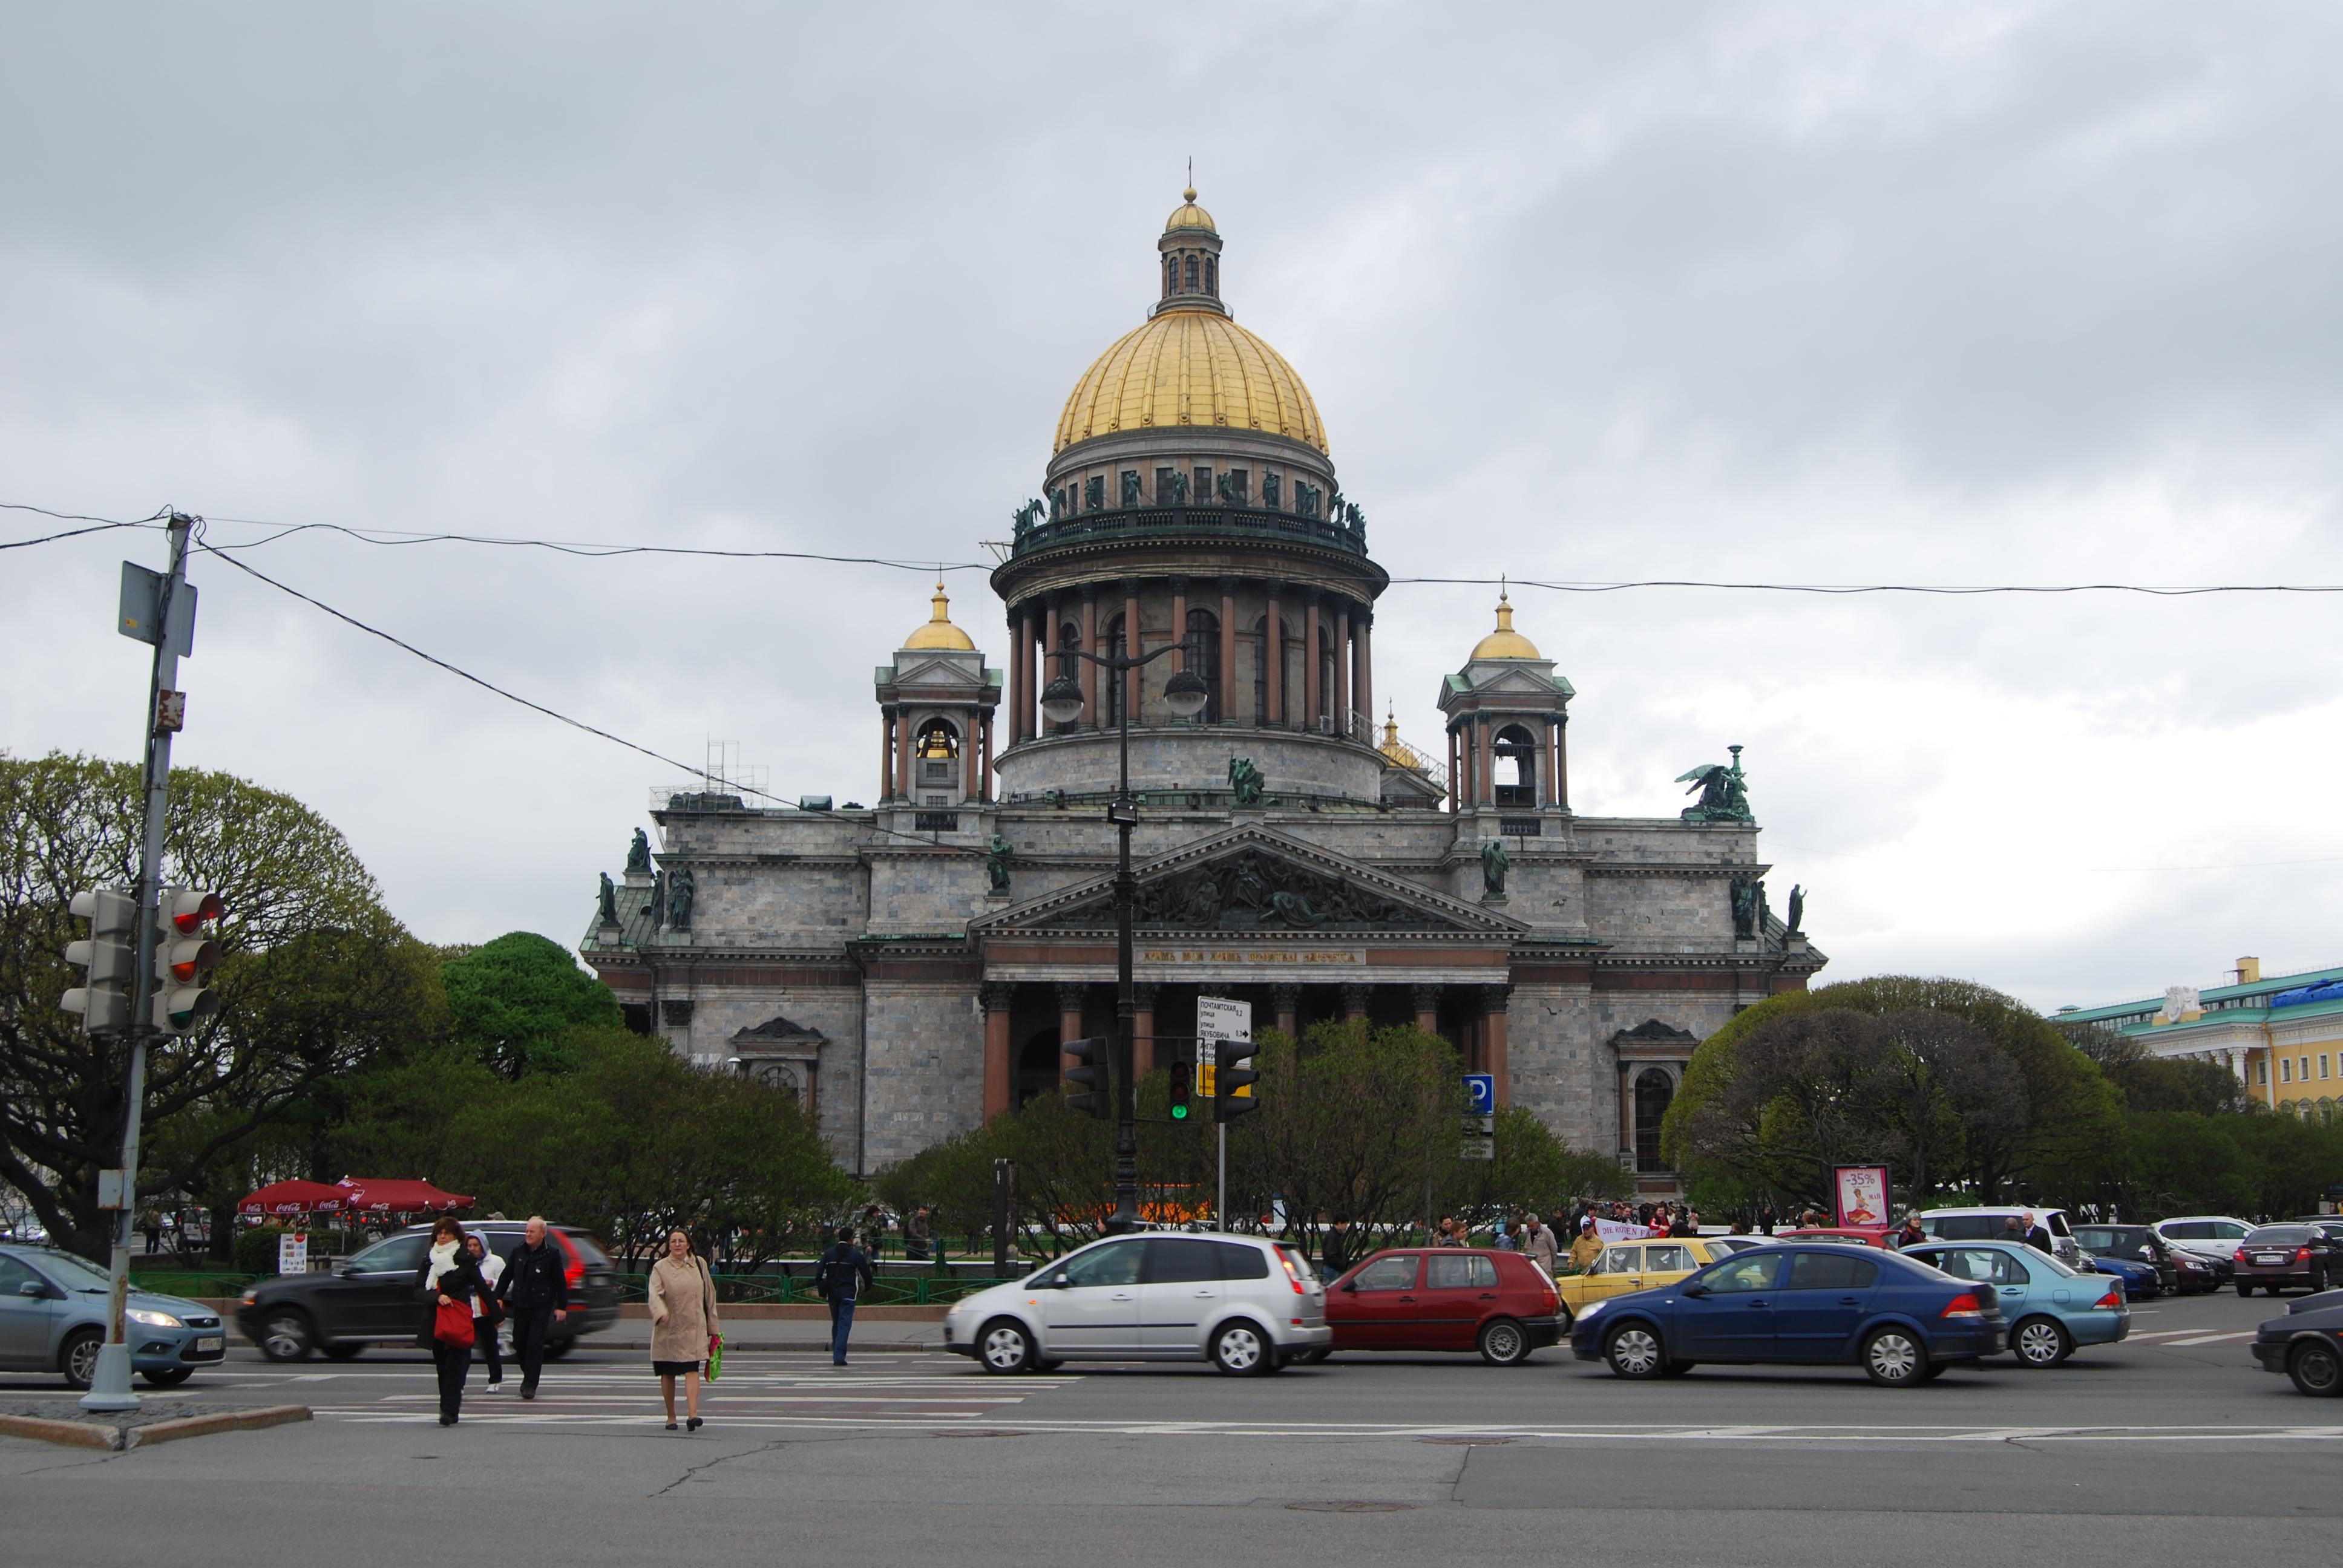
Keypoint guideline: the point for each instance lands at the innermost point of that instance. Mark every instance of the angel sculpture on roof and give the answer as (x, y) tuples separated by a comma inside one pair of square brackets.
[(1724, 791)]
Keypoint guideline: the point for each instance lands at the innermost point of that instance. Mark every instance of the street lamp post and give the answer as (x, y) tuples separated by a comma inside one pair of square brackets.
[(1184, 696)]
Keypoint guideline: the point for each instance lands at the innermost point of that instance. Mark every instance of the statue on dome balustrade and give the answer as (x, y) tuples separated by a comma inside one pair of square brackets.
[(1130, 487), (1246, 781), (1025, 516), (639, 853), (1724, 792)]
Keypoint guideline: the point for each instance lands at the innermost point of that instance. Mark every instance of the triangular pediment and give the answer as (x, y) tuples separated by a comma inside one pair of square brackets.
[(1515, 682), (960, 669), (1254, 879)]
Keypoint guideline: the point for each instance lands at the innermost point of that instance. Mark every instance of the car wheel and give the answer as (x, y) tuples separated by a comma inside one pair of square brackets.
[(1503, 1344), (2245, 1287), (556, 1349), (77, 1357), (1892, 1358), (2040, 1343), (2315, 1368), (1241, 1348), (168, 1377), (1633, 1351), (343, 1349), (285, 1336), (1002, 1345)]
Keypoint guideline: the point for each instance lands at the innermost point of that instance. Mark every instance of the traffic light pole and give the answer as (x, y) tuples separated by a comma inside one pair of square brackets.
[(109, 1388)]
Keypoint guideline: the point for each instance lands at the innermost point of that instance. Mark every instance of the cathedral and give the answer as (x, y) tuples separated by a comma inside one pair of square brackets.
[(908, 968)]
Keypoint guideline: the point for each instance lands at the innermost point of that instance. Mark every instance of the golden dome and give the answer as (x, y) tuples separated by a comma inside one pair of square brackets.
[(1505, 642), (1398, 750), (1187, 215), (940, 632), (1193, 367)]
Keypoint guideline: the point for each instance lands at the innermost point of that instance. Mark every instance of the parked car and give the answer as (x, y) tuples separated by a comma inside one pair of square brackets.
[(1246, 1303), (2277, 1256), (1858, 1235), (1902, 1321), (54, 1311), (2212, 1236), (1625, 1266), (2141, 1282), (2307, 1344), (1497, 1303), (2139, 1246), (369, 1297), (2050, 1308), (1993, 1225)]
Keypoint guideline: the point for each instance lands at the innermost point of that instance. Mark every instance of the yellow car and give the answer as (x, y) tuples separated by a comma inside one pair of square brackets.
[(1636, 1265)]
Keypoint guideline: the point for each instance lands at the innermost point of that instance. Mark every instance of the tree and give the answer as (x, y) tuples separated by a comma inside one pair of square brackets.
[(514, 1000), (290, 882)]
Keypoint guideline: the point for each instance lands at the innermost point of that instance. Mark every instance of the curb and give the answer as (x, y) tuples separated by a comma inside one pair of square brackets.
[(115, 1439)]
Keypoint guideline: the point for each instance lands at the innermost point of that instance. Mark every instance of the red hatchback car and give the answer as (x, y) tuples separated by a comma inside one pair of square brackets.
[(1445, 1298)]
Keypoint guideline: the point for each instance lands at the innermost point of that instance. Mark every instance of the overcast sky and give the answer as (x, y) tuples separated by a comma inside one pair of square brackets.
[(1965, 293)]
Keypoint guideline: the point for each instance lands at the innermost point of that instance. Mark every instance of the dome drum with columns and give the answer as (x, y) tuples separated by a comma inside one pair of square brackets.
[(933, 949)]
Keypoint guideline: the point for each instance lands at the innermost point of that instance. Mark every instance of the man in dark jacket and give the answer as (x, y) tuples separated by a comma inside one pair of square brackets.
[(536, 1292), (1339, 1249), (843, 1273), (2037, 1238)]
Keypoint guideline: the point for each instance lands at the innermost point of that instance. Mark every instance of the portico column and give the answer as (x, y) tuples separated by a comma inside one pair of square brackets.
[(1287, 1000), (1142, 1029), (1311, 695), (1343, 656), (1364, 682), (1070, 1020), (886, 755), (1495, 1060), (1228, 650), (1483, 789), (903, 755), (1426, 999), (1090, 671), (1354, 1003), (999, 1068), (1272, 652)]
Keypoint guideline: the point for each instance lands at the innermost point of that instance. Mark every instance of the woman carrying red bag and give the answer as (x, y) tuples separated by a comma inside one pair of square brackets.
[(446, 1284)]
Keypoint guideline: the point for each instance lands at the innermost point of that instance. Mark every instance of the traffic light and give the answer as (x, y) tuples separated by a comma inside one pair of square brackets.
[(1092, 1077), (104, 1002), (1233, 1080), (184, 957), (1183, 1085)]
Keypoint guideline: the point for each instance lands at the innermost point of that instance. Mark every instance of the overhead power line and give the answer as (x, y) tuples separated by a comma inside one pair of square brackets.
[(1954, 589)]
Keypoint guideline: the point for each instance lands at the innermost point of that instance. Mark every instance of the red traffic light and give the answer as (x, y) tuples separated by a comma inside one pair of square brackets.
[(189, 910)]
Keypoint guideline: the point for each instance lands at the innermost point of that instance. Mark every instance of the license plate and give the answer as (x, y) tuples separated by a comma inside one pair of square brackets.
[(211, 1342), (2268, 1259)]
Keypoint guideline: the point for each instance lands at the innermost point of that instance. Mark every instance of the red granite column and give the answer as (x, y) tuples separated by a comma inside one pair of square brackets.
[(1131, 649), (984, 769), (1495, 1057), (1455, 775), (1070, 1020), (1363, 683), (1354, 1003), (1344, 654), (886, 755), (1020, 671), (1143, 1031), (1272, 652), (1426, 999), (1561, 761), (902, 757), (1228, 650), (1090, 670), (1049, 662), (1311, 695), (1000, 1066), (1287, 999), (967, 757), (1484, 774), (1180, 622)]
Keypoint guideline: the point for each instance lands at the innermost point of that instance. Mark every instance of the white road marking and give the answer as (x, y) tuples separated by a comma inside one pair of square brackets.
[(2208, 1340)]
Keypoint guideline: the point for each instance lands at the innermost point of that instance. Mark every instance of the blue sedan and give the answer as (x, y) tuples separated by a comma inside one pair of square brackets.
[(52, 1316), (1818, 1304), (2051, 1308)]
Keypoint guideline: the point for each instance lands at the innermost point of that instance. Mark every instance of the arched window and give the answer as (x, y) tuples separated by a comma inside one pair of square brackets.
[(1654, 1089), (1515, 755), (1203, 657), (1170, 276), (1191, 275), (1212, 277)]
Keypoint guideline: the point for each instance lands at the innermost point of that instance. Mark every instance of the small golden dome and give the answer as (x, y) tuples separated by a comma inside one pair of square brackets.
[(1191, 367), (1505, 642), (1398, 750), (1187, 215), (940, 632)]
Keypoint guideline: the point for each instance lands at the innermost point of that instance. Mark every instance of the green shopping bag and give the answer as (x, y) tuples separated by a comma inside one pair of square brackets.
[(715, 1357)]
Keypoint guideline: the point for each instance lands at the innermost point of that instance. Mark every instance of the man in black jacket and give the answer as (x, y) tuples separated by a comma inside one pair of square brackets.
[(536, 1291), (1339, 1249), (843, 1273)]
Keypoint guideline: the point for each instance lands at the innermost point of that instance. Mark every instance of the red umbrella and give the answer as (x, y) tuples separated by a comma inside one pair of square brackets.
[(293, 1198), (398, 1195)]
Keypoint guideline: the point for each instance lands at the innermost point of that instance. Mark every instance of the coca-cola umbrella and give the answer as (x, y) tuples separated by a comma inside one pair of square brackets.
[(295, 1198), (398, 1195)]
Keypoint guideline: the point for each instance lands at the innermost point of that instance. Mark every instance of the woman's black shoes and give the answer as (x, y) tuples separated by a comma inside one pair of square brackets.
[(671, 1426), (692, 1424)]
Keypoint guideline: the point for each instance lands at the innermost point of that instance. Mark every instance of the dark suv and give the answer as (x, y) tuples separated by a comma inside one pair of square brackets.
[(2277, 1256), (369, 1297)]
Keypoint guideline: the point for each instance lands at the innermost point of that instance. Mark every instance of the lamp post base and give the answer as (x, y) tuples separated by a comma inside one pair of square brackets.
[(109, 1386)]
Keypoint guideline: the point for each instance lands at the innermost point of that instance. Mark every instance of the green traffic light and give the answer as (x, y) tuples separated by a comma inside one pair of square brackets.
[(1179, 1113)]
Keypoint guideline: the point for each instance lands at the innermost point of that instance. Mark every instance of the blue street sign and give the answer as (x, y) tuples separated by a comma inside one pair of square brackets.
[(1481, 1093)]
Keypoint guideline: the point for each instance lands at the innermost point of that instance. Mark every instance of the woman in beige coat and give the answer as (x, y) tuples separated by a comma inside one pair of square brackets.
[(683, 1324)]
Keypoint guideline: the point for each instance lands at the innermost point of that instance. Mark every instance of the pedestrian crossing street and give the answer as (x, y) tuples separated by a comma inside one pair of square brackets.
[(758, 1391)]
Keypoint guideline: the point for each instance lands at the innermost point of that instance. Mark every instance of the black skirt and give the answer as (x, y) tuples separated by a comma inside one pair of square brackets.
[(676, 1368)]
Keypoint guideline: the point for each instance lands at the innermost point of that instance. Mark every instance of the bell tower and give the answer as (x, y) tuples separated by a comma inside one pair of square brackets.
[(936, 702)]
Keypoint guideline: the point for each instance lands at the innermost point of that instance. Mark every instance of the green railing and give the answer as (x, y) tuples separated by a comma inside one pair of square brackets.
[(907, 1289), (190, 1282)]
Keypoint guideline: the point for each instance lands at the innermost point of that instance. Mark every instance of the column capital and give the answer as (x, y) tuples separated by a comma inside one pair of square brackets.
[(1143, 994), (1178, 583), (1286, 996), (1493, 997), (1425, 998), (1071, 994), (997, 995), (1355, 996)]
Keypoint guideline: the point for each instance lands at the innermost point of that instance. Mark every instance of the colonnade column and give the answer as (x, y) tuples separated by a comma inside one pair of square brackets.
[(1426, 1000), (1363, 681), (1312, 697), (1000, 1067), (1090, 671), (1287, 1000), (1345, 653), (1142, 1029), (1354, 1003), (969, 766), (887, 722), (984, 763), (1131, 646), (1016, 669), (1049, 671), (1495, 1060), (1455, 774), (903, 756), (1228, 650), (1180, 623), (1561, 760), (1272, 653), (1551, 795), (1483, 773), (1070, 1020)]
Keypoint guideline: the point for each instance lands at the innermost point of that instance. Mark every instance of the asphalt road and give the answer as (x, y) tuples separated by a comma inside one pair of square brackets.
[(2171, 1447)]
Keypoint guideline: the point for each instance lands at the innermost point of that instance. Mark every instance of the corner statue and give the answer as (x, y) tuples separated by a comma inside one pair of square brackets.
[(1724, 792), (609, 901), (639, 853), (682, 889), (996, 863), (1494, 862), (1796, 924), (1246, 781)]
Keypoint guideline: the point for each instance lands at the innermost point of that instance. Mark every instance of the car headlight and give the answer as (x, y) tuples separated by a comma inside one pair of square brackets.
[(1591, 1310), (153, 1320)]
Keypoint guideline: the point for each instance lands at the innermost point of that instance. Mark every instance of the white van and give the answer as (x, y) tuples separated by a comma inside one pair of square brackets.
[(1246, 1303), (1993, 1225)]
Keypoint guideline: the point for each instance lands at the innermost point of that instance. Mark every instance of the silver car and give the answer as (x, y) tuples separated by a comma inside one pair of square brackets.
[(1245, 1304), (52, 1316)]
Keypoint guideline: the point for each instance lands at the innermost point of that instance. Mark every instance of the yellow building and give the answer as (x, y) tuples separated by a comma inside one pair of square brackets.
[(2282, 1035)]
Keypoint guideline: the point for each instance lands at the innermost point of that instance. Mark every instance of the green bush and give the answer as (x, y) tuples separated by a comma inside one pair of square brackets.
[(256, 1250)]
